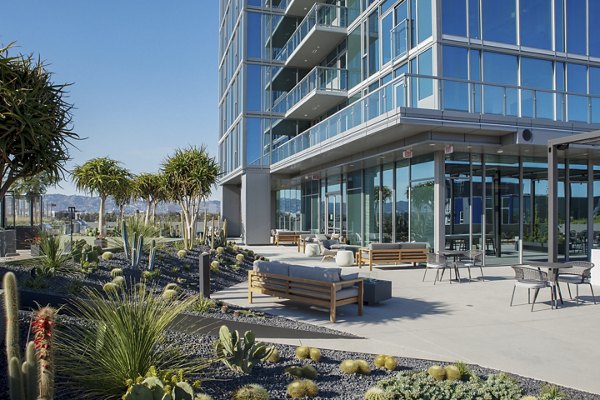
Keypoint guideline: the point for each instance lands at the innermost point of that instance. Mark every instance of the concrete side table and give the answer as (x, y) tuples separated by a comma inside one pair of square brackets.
[(344, 258), (377, 291), (312, 249)]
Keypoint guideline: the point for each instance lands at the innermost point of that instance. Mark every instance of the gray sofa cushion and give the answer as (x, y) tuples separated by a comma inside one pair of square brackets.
[(384, 246), (413, 245), (271, 267), (315, 273), (347, 293), (320, 237), (328, 243), (348, 277)]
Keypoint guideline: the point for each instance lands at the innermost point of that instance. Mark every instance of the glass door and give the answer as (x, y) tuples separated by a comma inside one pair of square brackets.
[(333, 204)]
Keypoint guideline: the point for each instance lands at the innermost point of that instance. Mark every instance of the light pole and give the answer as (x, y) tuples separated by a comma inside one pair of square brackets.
[(72, 217)]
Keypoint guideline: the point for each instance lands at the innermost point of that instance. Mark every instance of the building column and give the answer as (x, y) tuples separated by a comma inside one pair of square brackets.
[(439, 201), (231, 208), (552, 204), (256, 206)]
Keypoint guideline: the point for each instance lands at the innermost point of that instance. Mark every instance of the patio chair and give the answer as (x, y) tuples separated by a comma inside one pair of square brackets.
[(531, 278), (326, 250), (438, 262), (579, 274), (472, 259)]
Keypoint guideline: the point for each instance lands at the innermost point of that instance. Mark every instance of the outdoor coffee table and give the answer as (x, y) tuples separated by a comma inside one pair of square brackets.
[(376, 291), (455, 254), (340, 246), (553, 271)]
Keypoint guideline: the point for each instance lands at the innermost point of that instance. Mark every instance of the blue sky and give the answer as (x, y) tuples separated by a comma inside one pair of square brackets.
[(144, 72)]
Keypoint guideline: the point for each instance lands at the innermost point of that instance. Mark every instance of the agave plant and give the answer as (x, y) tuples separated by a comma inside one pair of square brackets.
[(52, 260), (124, 337)]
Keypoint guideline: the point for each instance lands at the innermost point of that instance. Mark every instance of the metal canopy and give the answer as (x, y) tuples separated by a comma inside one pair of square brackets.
[(590, 140)]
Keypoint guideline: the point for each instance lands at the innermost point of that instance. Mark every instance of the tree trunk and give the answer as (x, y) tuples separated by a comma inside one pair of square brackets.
[(153, 214), (101, 216), (147, 217), (121, 213)]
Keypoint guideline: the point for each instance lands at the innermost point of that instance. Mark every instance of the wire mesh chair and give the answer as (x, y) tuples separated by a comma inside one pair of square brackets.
[(472, 259), (579, 274), (531, 278), (438, 262)]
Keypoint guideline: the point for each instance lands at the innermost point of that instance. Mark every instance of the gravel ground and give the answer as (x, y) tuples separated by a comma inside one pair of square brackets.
[(220, 382)]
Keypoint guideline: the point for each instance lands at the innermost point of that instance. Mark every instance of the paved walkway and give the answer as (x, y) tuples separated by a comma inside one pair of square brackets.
[(471, 322)]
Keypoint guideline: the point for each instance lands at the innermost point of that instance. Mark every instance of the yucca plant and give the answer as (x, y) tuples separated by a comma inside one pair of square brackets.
[(52, 260), (123, 339)]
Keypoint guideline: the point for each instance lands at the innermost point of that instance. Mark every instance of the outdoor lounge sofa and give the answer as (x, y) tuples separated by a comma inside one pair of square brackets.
[(317, 286), (282, 236), (392, 253)]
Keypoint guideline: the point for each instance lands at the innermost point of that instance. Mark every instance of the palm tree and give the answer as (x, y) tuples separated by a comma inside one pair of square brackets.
[(35, 121), (102, 176), (150, 187), (190, 176)]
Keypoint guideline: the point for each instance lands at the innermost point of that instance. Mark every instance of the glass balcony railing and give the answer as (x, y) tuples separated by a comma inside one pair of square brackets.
[(417, 91), (319, 78), (324, 15), (400, 37)]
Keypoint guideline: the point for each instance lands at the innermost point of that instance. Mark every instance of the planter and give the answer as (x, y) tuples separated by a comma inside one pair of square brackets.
[(35, 250), (8, 243)]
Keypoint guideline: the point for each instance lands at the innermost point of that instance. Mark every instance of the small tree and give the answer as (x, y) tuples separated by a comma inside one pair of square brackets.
[(190, 176), (35, 121), (122, 194), (151, 188), (102, 176)]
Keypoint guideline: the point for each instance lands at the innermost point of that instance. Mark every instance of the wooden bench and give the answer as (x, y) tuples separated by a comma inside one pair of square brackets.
[(286, 237), (308, 291), (392, 253)]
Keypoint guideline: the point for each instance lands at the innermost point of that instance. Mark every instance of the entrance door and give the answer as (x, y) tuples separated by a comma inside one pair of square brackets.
[(334, 213)]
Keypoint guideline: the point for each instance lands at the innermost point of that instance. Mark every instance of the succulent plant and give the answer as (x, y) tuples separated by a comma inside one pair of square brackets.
[(436, 372), (240, 355), (181, 254), (169, 294), (110, 287), (274, 357), (116, 272), (240, 257), (380, 360), (220, 250), (390, 363), (295, 371), (315, 354), (309, 372), (376, 393), (349, 367), (302, 352), (251, 392), (119, 280), (107, 256), (214, 266), (363, 367), (172, 286), (453, 373), (302, 388), (203, 396)]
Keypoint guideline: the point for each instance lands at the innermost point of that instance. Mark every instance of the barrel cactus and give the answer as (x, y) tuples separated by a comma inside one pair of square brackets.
[(110, 287), (376, 393), (240, 257), (302, 388), (390, 363), (302, 352), (380, 361), (349, 367), (214, 266), (315, 354), (119, 280), (274, 357), (116, 272), (363, 367), (436, 372), (169, 294), (181, 254), (453, 373), (107, 256), (251, 392)]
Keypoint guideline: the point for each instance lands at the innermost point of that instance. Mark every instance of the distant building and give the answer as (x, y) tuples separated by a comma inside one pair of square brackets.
[(413, 120)]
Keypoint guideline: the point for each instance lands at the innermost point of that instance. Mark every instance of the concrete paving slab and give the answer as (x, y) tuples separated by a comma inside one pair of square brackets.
[(471, 322)]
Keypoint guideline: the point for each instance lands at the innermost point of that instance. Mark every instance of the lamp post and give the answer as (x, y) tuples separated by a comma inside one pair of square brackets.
[(72, 217)]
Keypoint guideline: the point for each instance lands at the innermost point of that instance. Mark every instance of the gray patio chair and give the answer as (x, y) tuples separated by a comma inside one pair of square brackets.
[(531, 278), (438, 262), (579, 274), (472, 259)]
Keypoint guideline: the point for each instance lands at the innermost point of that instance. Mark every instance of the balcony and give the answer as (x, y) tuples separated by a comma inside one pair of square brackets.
[(299, 8), (319, 91), (447, 94), (323, 28)]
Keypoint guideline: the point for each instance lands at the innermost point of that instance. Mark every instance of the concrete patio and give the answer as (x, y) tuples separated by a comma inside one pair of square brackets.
[(471, 322)]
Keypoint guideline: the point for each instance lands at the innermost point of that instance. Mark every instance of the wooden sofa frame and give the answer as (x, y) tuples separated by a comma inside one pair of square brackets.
[(391, 256), (286, 237), (323, 294)]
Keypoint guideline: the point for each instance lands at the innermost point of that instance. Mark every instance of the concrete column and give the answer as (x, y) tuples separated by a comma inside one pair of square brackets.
[(439, 202), (552, 204), (231, 208), (256, 206)]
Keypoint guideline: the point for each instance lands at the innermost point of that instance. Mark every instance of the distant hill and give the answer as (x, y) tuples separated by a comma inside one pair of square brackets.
[(91, 204)]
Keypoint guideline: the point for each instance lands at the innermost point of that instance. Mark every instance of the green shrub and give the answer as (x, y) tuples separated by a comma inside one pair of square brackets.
[(251, 392), (52, 259), (419, 385), (551, 392), (204, 304), (107, 256), (119, 343)]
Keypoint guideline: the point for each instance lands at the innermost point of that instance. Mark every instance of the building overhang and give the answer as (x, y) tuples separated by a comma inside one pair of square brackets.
[(321, 41), (300, 8), (316, 103)]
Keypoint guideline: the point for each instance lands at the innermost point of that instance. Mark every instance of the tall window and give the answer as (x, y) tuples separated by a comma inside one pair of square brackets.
[(373, 42), (576, 26), (455, 64), (577, 83), (454, 17), (536, 74), (353, 57), (499, 21), (536, 23), (594, 27), (500, 69), (387, 23)]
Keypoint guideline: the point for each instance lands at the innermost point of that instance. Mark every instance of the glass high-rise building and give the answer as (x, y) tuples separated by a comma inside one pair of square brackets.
[(410, 120)]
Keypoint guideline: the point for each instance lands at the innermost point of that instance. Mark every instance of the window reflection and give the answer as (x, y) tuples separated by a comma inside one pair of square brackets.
[(499, 21)]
